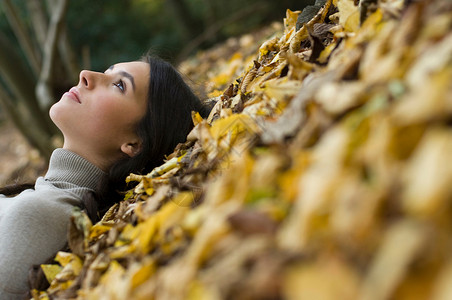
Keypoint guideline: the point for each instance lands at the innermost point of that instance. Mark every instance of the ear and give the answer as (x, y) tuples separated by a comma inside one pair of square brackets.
[(131, 149)]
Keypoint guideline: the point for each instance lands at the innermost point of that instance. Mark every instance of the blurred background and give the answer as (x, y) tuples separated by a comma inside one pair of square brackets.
[(45, 43)]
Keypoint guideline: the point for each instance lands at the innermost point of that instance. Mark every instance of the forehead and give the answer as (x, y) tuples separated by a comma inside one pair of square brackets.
[(137, 69)]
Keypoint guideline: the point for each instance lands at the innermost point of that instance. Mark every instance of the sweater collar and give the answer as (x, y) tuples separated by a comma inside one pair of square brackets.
[(67, 166)]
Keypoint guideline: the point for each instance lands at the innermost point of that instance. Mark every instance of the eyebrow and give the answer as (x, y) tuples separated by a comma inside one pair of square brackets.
[(125, 74)]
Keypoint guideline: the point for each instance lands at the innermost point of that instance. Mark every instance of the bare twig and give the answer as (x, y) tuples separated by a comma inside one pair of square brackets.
[(14, 73), (50, 6), (66, 52), (39, 20), (44, 91), (67, 55), (35, 137)]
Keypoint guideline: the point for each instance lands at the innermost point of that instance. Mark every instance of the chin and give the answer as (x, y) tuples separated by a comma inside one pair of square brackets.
[(56, 114), (53, 113)]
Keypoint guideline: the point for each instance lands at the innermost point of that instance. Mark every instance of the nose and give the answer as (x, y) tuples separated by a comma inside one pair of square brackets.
[(88, 79)]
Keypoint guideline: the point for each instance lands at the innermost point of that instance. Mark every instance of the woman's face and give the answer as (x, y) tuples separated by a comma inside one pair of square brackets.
[(98, 117)]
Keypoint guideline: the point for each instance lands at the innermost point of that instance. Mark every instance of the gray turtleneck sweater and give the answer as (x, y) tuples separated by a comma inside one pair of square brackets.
[(34, 224)]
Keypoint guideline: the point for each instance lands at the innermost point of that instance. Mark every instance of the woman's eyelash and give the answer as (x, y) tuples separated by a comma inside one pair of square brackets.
[(120, 84)]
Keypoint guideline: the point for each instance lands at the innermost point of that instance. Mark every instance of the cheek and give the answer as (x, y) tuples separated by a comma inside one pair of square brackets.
[(107, 115), (112, 117)]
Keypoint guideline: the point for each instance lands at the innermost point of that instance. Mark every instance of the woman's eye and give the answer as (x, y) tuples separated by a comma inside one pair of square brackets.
[(120, 85)]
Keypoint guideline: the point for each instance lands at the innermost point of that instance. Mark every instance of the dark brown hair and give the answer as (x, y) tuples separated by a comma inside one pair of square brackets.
[(166, 123)]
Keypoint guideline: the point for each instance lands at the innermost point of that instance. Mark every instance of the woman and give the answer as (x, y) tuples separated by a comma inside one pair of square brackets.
[(114, 123)]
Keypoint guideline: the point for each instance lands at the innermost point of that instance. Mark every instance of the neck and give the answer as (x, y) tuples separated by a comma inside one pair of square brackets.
[(103, 162), (67, 167)]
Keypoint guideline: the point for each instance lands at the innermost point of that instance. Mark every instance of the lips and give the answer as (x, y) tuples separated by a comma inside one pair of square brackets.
[(74, 94)]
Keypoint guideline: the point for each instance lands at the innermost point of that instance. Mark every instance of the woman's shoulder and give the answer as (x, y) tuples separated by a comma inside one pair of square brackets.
[(39, 205), (59, 190), (45, 197)]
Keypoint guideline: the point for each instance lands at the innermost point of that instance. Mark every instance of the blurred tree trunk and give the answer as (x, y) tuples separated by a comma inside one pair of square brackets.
[(27, 115), (29, 84)]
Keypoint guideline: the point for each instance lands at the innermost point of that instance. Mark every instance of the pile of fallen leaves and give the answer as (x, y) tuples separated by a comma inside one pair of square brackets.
[(210, 72), (323, 172)]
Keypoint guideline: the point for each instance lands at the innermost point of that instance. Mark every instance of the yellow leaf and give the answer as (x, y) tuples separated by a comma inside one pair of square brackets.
[(114, 269), (39, 295), (288, 180), (141, 272), (234, 124), (110, 214), (65, 258), (149, 191), (196, 118), (326, 278), (199, 291), (133, 177), (145, 233), (167, 166), (290, 20), (121, 252), (326, 53), (428, 176), (113, 280), (50, 271), (183, 199), (98, 229), (171, 214), (399, 249), (194, 218), (336, 98), (348, 15), (221, 79), (269, 45), (215, 93), (128, 234), (282, 90)]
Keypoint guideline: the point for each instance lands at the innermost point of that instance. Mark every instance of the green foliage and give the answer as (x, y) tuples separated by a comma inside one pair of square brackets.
[(124, 30), (112, 30)]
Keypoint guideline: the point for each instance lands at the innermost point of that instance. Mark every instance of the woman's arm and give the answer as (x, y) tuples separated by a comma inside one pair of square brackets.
[(32, 229)]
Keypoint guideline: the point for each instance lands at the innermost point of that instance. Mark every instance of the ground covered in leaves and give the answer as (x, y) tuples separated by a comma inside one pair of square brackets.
[(323, 172)]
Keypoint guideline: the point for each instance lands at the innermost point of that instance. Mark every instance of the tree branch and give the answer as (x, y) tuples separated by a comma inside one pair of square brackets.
[(15, 73), (20, 83), (67, 55), (44, 91), (36, 138), (22, 36), (39, 20)]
